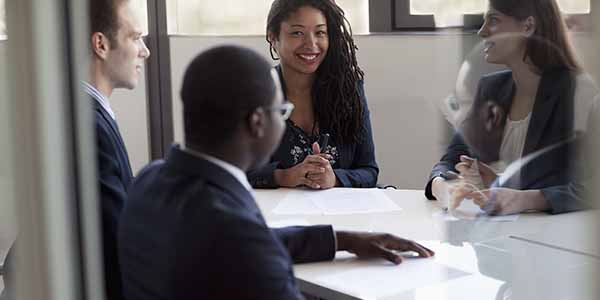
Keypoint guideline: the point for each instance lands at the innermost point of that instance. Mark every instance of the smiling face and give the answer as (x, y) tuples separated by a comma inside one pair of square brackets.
[(505, 38), (303, 40), (124, 61)]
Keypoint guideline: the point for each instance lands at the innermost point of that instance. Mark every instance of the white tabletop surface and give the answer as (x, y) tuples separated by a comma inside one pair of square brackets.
[(538, 256)]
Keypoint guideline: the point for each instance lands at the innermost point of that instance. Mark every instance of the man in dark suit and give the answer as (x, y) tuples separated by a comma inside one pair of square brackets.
[(118, 54), (191, 228)]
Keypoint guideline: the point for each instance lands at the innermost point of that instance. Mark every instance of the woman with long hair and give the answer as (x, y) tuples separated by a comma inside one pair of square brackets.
[(328, 140), (519, 112)]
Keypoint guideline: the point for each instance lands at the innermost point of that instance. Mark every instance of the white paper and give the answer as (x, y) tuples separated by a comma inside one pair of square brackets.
[(287, 222), (335, 202), (384, 280)]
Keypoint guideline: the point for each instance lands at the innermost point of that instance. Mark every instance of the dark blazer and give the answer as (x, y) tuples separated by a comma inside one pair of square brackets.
[(190, 230), (114, 175), (556, 173), (354, 164)]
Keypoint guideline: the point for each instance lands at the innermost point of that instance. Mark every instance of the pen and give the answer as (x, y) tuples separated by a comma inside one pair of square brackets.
[(325, 142)]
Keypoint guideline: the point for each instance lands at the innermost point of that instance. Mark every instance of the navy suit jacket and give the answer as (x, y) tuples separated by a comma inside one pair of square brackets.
[(190, 230), (557, 173), (114, 175)]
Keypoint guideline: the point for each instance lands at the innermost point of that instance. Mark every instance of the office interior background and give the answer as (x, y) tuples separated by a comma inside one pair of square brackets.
[(408, 73)]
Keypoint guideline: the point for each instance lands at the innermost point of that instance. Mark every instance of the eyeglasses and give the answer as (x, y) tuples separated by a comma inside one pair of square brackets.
[(285, 109)]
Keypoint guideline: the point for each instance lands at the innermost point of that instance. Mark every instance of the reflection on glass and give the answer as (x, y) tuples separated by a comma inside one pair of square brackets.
[(449, 12), (234, 17), (520, 131)]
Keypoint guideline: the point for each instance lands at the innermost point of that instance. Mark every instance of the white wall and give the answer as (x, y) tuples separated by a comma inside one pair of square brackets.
[(404, 77)]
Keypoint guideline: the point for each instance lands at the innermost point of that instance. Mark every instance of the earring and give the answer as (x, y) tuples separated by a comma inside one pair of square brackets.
[(273, 52)]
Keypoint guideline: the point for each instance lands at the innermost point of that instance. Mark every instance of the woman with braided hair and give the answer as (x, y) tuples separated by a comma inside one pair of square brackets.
[(328, 141)]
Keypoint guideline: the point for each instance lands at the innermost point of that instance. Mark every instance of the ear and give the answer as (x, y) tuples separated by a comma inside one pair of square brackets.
[(493, 117), (257, 123), (100, 45), (530, 26), (273, 39)]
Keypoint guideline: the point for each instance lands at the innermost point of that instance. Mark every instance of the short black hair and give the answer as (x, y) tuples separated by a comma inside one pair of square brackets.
[(221, 87), (104, 18)]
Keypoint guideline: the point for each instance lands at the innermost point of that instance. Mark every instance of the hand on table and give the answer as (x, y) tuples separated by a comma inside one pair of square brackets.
[(324, 179), (505, 201), (382, 245), (311, 172)]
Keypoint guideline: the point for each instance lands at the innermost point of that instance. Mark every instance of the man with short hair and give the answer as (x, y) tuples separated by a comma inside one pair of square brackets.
[(191, 228), (117, 56)]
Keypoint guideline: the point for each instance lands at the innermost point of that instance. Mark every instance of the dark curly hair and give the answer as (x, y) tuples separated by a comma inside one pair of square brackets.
[(336, 90)]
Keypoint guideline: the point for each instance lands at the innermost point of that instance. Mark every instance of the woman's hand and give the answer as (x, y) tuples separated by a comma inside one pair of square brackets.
[(310, 172), (504, 201), (325, 179), (476, 171)]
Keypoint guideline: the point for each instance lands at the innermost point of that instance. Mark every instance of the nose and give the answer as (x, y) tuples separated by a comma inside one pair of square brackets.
[(144, 52), (310, 40), (483, 31)]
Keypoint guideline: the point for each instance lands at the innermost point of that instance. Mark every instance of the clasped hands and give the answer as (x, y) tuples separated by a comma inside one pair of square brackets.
[(314, 172), (474, 181)]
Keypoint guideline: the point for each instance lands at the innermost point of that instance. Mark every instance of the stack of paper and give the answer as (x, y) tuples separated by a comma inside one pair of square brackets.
[(335, 202)]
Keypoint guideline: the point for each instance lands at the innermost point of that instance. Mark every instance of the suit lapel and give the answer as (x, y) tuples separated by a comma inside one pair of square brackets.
[(550, 91), (115, 129)]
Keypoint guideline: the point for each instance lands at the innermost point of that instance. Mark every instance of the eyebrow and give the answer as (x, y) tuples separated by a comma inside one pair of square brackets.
[(302, 26), (492, 14)]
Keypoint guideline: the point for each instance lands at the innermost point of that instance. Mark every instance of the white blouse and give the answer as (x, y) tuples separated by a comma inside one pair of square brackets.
[(513, 140)]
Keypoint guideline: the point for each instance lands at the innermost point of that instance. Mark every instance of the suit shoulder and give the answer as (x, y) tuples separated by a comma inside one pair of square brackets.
[(496, 77)]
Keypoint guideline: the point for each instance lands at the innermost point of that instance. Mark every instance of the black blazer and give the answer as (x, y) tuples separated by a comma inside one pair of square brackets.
[(190, 230), (114, 176), (556, 173), (354, 164)]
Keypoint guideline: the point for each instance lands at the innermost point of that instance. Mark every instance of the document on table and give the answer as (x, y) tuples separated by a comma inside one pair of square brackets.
[(468, 210), (337, 201), (375, 281)]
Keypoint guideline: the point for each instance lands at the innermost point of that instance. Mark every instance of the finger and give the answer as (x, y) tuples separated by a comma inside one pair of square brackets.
[(397, 243), (467, 159), (310, 183), (316, 159), (479, 198), (312, 169), (325, 156), (462, 167), (387, 254), (316, 148)]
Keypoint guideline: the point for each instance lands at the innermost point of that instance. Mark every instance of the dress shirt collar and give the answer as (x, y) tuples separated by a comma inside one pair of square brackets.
[(103, 100), (231, 169)]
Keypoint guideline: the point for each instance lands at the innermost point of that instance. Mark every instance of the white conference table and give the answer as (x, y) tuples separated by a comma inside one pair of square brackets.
[(538, 256)]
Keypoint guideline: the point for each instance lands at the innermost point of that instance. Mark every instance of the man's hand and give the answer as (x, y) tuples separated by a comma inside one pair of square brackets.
[(382, 245)]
